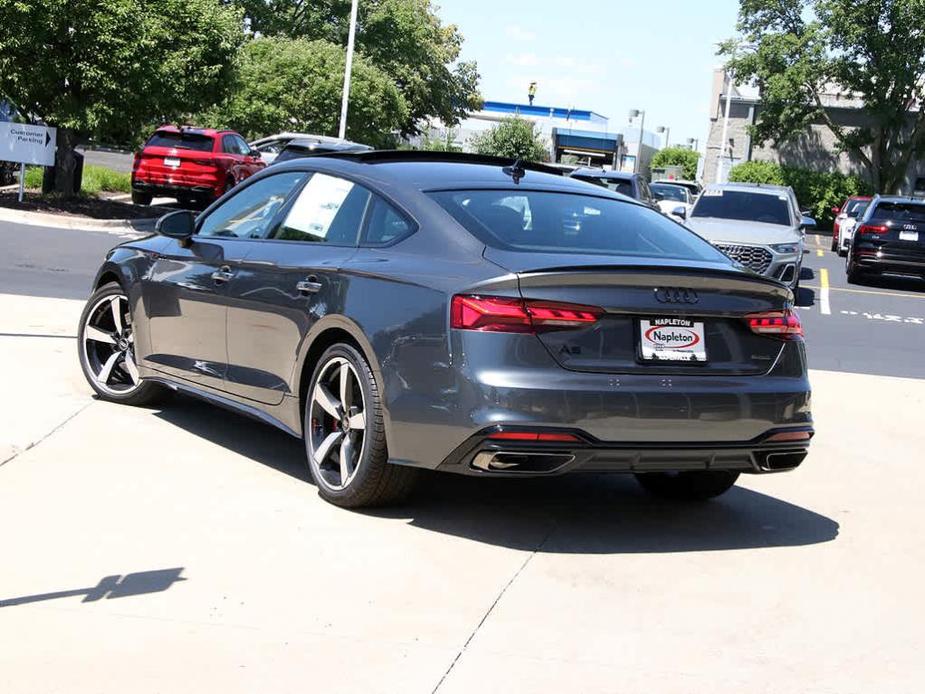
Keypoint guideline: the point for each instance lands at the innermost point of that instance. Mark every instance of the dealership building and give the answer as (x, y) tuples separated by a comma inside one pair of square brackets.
[(575, 135)]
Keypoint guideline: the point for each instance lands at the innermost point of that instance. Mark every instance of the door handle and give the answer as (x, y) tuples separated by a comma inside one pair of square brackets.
[(310, 285), (223, 274)]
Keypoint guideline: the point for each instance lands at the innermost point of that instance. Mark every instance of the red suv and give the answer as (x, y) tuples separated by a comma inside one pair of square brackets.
[(191, 164)]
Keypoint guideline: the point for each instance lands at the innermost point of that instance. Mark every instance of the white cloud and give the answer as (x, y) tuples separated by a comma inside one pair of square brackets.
[(523, 59), (518, 33)]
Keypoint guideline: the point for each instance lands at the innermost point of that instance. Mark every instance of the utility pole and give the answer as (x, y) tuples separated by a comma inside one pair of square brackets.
[(349, 67), (642, 124), (665, 129)]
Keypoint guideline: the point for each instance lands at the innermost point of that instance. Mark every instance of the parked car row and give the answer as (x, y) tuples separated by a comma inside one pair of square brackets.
[(199, 165), (888, 238), (467, 314)]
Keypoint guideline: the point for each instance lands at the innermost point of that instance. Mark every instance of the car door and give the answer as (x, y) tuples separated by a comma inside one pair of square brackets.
[(186, 292), (235, 164), (289, 281), (251, 162)]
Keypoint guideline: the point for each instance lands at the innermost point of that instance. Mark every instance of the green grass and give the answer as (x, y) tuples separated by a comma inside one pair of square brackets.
[(96, 179)]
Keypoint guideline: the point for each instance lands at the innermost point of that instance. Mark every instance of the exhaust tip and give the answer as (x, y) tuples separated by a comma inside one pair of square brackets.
[(533, 463), (782, 461)]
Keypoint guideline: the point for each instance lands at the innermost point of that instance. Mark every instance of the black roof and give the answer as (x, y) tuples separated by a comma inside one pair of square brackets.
[(382, 156), (603, 173)]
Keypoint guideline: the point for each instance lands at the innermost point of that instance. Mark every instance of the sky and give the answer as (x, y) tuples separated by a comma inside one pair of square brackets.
[(607, 56)]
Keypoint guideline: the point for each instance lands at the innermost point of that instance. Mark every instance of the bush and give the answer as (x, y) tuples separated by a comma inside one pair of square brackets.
[(96, 179), (677, 156), (515, 138), (816, 191)]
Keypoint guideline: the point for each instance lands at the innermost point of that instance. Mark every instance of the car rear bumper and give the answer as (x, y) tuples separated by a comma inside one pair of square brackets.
[(157, 185), (483, 456), (895, 261)]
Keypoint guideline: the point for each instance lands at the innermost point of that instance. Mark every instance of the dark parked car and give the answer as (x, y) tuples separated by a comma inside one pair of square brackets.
[(630, 184), (312, 147), (429, 310), (191, 164), (889, 238)]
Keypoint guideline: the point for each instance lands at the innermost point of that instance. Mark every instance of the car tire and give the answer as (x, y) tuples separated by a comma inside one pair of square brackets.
[(690, 485), (853, 273), (106, 349), (345, 442), (835, 243), (139, 198)]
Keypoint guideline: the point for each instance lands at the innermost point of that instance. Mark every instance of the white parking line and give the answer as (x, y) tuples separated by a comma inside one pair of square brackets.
[(824, 292)]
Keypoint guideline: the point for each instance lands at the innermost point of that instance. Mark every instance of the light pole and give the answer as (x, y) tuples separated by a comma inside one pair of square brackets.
[(634, 112), (347, 69), (664, 129), (693, 143)]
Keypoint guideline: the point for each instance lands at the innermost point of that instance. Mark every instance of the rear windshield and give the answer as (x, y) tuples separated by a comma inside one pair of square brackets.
[(901, 211), (543, 221), (618, 185), (743, 206), (665, 192), (194, 141)]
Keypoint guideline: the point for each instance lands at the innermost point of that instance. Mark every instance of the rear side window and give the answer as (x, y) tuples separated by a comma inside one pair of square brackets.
[(568, 223), (193, 141), (385, 224), (857, 207), (328, 210), (743, 206), (901, 211)]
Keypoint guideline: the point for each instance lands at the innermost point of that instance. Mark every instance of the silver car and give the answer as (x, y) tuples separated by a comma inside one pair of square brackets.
[(758, 225)]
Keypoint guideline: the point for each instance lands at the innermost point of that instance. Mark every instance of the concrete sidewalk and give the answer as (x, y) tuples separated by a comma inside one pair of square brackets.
[(182, 549)]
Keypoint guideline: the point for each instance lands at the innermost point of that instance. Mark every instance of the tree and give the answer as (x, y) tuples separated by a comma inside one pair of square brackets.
[(873, 50), (104, 67), (293, 84), (403, 38), (677, 156), (515, 138)]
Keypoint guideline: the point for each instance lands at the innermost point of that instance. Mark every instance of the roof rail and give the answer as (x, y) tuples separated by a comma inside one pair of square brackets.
[(382, 156)]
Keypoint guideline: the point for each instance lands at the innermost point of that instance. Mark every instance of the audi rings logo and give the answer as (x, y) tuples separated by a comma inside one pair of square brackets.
[(676, 295)]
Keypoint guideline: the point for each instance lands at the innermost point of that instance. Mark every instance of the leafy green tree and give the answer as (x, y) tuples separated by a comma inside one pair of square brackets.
[(757, 172), (293, 84), (404, 38), (677, 156), (443, 142), (106, 68), (797, 51), (516, 138)]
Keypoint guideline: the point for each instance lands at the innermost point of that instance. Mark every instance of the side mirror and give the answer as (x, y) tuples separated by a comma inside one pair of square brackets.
[(255, 154), (807, 223), (835, 211), (178, 225), (680, 212)]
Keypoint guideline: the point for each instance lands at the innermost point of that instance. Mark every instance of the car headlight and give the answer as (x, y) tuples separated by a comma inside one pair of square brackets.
[(786, 247)]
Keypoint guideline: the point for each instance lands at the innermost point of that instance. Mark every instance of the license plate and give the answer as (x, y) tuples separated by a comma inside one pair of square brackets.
[(172, 162), (672, 339), (908, 236)]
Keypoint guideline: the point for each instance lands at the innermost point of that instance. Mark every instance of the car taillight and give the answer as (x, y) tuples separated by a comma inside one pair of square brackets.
[(543, 436), (783, 324), (872, 229), (136, 161), (506, 315)]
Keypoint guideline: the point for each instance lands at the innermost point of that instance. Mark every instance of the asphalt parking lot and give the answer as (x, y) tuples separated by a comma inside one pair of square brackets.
[(182, 548)]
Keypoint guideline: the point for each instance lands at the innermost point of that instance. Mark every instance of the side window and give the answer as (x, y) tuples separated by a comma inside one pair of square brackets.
[(241, 145), (328, 210), (228, 145), (249, 213), (384, 224)]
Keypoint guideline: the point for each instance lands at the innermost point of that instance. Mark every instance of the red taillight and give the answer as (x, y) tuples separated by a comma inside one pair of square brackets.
[(789, 436), (543, 436), (136, 161), (505, 315), (783, 324), (872, 229)]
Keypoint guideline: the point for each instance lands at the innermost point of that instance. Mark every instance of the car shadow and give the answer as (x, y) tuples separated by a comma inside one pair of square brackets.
[(893, 282), (582, 513)]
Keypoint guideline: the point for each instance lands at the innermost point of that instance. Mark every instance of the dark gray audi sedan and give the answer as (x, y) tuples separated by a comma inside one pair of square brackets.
[(406, 310)]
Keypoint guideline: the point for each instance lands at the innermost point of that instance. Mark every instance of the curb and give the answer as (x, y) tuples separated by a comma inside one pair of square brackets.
[(63, 221)]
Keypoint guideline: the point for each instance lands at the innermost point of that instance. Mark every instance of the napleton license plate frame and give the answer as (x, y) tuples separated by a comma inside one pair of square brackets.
[(172, 162), (650, 351)]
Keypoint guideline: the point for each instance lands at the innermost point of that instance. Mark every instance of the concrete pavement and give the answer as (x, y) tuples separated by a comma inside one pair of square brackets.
[(182, 549)]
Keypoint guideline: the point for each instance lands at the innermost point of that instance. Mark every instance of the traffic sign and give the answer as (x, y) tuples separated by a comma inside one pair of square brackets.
[(27, 144)]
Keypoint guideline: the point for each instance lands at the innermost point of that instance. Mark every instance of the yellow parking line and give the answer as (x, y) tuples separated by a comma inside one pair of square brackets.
[(816, 237), (819, 252)]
